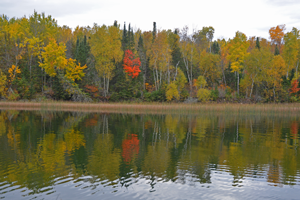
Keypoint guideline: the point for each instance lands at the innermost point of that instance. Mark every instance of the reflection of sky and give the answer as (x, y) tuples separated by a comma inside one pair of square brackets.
[(220, 188)]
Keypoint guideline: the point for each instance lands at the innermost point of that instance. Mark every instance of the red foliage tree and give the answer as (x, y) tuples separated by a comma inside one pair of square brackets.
[(131, 65), (294, 89), (130, 147), (294, 130)]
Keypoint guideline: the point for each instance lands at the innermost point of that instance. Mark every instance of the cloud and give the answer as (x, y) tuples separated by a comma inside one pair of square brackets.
[(283, 2), (56, 8)]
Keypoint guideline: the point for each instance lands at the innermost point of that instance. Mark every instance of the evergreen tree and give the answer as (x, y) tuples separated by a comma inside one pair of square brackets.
[(124, 38), (82, 51), (142, 55), (215, 48), (176, 54), (130, 36), (276, 51), (154, 31), (257, 43), (116, 23)]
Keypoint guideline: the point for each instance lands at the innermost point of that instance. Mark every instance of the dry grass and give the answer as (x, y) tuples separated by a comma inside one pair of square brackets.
[(158, 108)]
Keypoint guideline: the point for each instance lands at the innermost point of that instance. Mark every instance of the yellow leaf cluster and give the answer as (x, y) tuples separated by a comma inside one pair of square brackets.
[(73, 71), (13, 71), (106, 48), (237, 51), (204, 95), (54, 57), (55, 60), (2, 83), (201, 82), (172, 92)]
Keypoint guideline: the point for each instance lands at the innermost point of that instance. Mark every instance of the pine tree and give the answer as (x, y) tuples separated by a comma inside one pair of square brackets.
[(82, 51), (176, 54), (276, 51), (215, 48), (257, 45), (130, 36), (116, 23), (124, 38), (142, 55), (154, 31)]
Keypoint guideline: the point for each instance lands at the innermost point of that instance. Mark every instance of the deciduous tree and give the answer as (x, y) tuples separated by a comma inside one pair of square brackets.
[(106, 48), (237, 52)]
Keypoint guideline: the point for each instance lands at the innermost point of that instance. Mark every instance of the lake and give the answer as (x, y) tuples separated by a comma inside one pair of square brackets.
[(77, 155)]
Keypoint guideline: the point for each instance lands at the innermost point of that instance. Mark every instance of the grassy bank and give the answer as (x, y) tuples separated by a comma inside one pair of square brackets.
[(157, 108)]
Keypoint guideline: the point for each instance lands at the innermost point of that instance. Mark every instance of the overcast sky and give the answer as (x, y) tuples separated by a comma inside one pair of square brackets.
[(252, 17)]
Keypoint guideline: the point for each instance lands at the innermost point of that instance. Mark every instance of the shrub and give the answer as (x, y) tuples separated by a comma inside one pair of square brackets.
[(204, 95)]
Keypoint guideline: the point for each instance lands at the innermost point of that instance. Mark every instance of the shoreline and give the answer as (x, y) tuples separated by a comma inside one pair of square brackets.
[(156, 108)]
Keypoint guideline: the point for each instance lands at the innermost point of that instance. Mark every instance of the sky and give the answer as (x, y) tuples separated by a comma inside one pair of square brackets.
[(252, 17)]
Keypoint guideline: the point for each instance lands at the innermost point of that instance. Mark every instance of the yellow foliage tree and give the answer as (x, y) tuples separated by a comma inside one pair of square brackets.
[(209, 65), (237, 52), (172, 91), (2, 83), (106, 48), (290, 51), (274, 73), (55, 62), (202, 93), (13, 72), (160, 58)]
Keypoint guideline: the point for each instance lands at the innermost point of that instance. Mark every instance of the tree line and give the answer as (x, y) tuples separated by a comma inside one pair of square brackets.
[(41, 60)]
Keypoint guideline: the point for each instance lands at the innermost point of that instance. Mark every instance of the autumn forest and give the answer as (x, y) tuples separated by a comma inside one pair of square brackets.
[(40, 60)]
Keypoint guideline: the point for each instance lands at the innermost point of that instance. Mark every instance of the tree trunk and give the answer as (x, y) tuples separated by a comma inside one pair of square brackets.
[(251, 88), (238, 83)]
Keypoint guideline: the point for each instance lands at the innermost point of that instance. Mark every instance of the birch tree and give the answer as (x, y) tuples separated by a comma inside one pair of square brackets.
[(106, 46)]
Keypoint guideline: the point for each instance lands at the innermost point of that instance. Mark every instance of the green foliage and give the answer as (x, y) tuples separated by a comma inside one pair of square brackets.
[(158, 95), (82, 51), (257, 44), (24, 89), (59, 92), (154, 31), (215, 48), (276, 51), (12, 96), (294, 99), (215, 93), (184, 95)]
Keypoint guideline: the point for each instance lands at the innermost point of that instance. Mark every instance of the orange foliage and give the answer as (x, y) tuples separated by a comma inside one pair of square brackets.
[(130, 147), (91, 89), (131, 65), (294, 89), (277, 34), (294, 130), (149, 87), (92, 122)]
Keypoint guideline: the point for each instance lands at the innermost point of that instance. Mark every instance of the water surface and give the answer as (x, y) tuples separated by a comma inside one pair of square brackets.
[(72, 155)]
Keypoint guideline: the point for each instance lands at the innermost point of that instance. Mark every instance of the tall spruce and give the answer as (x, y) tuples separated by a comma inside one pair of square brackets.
[(277, 52), (124, 38), (215, 48), (257, 45), (82, 51), (116, 23), (154, 31), (142, 55), (130, 36)]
